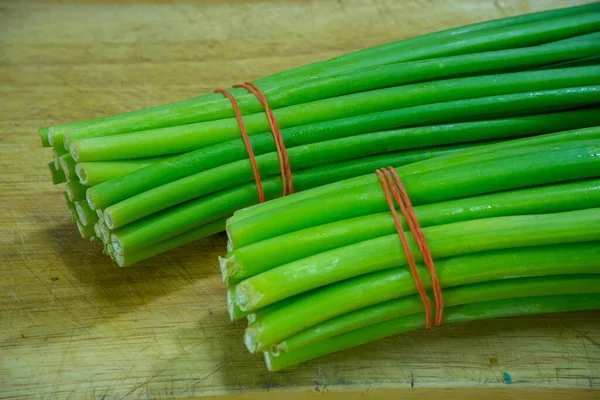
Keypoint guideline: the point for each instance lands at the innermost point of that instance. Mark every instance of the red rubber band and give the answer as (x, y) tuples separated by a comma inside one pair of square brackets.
[(401, 197), (383, 174), (284, 163), (238, 116)]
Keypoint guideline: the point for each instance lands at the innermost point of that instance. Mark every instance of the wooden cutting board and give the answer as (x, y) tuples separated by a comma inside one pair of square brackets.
[(73, 325)]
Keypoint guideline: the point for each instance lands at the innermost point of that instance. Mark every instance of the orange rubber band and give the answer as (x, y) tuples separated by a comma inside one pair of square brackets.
[(383, 174), (423, 247), (238, 116), (400, 195), (284, 163)]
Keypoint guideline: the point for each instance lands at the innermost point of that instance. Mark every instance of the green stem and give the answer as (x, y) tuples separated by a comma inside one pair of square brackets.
[(435, 69), (467, 312), (580, 62), (194, 136), (95, 172), (234, 310), (426, 46), (258, 211), (297, 316), (314, 176), (240, 172), (58, 176), (130, 258), (102, 231), (498, 163), (70, 207), (86, 215), (443, 240), (528, 167), (466, 294), (336, 150), (86, 231), (116, 190), (249, 260), (43, 132), (55, 155), (408, 72), (67, 165), (75, 191)]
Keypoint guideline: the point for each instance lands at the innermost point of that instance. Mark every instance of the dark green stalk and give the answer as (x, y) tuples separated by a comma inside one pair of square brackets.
[(240, 172), (525, 167), (260, 210), (113, 191), (336, 150), (580, 62), (194, 215), (427, 46), (194, 136), (405, 73), (305, 180), (467, 312)]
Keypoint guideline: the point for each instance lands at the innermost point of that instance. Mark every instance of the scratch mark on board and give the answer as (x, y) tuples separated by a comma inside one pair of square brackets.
[(143, 383)]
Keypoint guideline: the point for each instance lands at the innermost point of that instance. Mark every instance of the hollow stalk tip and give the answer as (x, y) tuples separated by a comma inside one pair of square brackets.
[(73, 149), (108, 220), (223, 269), (98, 231), (89, 198), (51, 133), (81, 173), (229, 266), (249, 341), (65, 168), (81, 213), (277, 349), (268, 360)]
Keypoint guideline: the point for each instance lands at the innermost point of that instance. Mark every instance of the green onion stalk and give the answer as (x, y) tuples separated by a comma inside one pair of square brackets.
[(468, 312), (147, 181), (513, 228)]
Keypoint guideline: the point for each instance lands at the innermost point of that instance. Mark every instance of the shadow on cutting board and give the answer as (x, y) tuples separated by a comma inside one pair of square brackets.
[(114, 290), (212, 358)]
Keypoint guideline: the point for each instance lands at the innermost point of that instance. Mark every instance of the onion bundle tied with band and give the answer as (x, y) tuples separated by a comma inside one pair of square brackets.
[(145, 182), (504, 229)]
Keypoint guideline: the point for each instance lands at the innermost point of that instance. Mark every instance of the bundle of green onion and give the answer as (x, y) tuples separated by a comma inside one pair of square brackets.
[(513, 228), (148, 181)]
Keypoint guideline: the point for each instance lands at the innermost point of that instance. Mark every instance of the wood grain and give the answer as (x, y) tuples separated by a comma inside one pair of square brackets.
[(72, 325)]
